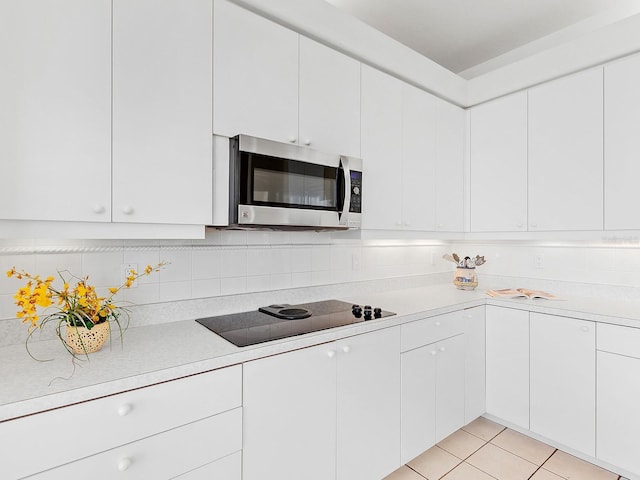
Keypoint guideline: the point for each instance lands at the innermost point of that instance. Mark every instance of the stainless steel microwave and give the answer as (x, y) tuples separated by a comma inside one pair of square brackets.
[(279, 185)]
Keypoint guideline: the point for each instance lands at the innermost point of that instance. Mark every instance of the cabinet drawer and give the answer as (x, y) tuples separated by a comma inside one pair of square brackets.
[(115, 420), (227, 468), (430, 330), (165, 455), (618, 339)]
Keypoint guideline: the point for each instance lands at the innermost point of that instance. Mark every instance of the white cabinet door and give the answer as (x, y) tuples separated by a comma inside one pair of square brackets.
[(418, 401), (563, 380), (368, 395), (450, 144), (565, 153), (381, 150), (418, 159), (55, 119), (622, 143), (475, 354), (498, 151), (618, 414), (289, 404), (433, 389), (329, 103), (450, 379), (255, 75), (162, 146), (507, 332)]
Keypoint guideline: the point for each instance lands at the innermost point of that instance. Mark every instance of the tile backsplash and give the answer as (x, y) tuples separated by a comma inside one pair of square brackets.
[(225, 263), (228, 263)]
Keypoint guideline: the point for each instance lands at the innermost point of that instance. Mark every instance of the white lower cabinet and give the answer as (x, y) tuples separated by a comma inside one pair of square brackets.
[(165, 455), (508, 364), (227, 468), (618, 390), (327, 412), (159, 431), (433, 381), (475, 354), (563, 377)]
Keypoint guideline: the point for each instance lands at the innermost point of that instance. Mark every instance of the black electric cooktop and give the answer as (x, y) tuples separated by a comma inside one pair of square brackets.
[(281, 321)]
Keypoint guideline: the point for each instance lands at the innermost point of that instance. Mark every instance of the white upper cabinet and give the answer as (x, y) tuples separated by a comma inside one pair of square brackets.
[(162, 146), (622, 143), (413, 154), (55, 119), (329, 99), (498, 179), (255, 75), (418, 159), (272, 83), (381, 150), (565, 153), (450, 144)]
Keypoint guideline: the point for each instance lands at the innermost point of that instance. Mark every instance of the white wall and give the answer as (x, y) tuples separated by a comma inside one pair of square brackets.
[(606, 269)]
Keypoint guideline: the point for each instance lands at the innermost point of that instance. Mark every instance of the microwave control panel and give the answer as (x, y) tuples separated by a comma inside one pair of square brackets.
[(356, 192)]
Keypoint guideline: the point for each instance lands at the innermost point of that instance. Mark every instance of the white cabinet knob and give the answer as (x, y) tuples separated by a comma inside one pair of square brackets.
[(520, 225), (398, 224), (534, 225), (124, 463), (440, 225), (98, 209), (331, 354), (346, 349), (442, 349), (292, 139), (407, 224), (585, 329), (437, 324), (307, 142), (469, 316), (124, 409), (433, 353), (127, 209)]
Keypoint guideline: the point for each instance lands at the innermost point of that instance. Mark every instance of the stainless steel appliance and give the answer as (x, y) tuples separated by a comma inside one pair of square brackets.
[(281, 321), (273, 184)]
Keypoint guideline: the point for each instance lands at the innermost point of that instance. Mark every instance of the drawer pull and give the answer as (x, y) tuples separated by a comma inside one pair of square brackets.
[(124, 409), (433, 353), (438, 324), (124, 464), (442, 349), (346, 349), (331, 354), (585, 329)]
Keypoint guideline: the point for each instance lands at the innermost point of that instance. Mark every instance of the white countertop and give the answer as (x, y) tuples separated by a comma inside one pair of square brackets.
[(158, 353)]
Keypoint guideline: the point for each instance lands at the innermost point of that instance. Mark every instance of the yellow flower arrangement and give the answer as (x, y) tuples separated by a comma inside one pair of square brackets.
[(80, 306)]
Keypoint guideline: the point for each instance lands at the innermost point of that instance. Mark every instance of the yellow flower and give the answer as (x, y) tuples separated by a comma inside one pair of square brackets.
[(79, 306)]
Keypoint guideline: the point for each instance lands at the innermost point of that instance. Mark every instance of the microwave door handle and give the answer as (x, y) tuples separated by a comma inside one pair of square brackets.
[(346, 202)]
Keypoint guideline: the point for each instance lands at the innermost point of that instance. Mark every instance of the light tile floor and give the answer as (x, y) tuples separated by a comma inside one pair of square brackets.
[(485, 450)]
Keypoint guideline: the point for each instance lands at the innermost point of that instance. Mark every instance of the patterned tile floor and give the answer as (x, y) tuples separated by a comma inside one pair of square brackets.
[(485, 450)]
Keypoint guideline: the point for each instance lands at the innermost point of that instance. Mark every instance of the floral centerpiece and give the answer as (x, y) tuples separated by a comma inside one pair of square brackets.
[(87, 318)]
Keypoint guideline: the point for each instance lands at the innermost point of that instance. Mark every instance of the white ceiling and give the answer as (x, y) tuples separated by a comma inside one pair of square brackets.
[(472, 37)]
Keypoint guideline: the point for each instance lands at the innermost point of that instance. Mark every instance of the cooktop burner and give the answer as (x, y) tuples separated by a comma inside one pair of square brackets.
[(281, 321)]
